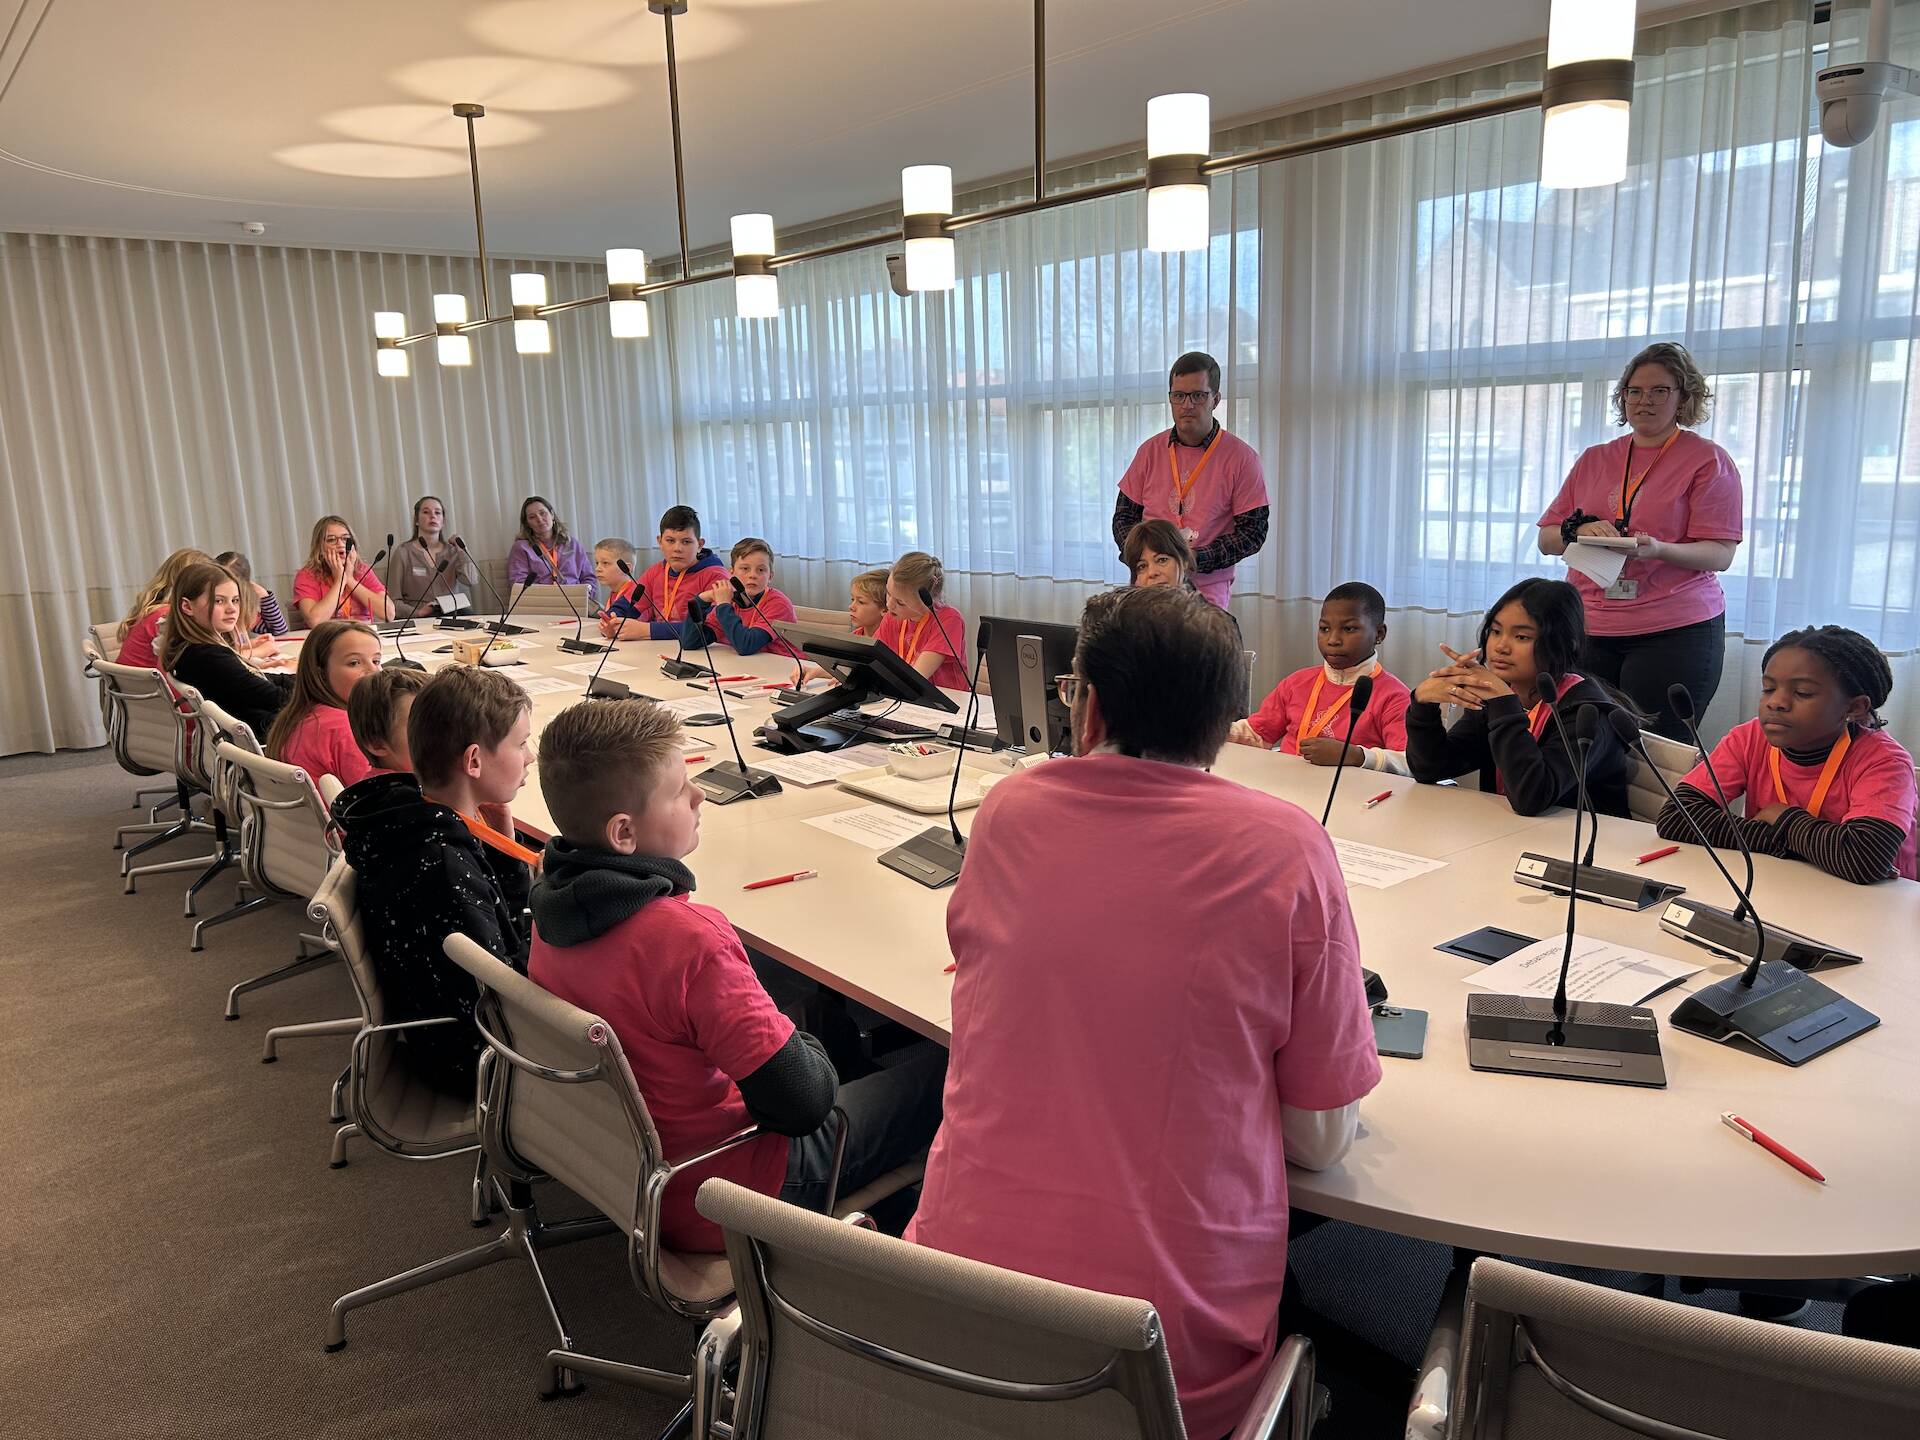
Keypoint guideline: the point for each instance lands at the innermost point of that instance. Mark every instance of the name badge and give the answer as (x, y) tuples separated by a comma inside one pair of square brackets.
[(1623, 589)]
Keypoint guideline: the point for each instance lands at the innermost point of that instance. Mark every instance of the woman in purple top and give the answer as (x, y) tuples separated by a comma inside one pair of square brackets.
[(545, 552)]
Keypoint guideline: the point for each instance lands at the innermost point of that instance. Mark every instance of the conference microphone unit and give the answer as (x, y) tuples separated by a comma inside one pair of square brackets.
[(741, 601), (400, 660), (391, 554), (1618, 888), (934, 856), (723, 783), (575, 646), (1356, 703), (599, 688), (1773, 1006), (1560, 1038), (500, 605), (680, 668), (501, 627)]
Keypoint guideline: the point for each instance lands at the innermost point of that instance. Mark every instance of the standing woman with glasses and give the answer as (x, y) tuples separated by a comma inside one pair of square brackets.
[(1204, 481), (1669, 501)]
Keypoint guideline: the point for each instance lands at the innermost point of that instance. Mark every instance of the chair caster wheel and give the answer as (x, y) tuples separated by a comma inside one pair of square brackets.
[(336, 1346)]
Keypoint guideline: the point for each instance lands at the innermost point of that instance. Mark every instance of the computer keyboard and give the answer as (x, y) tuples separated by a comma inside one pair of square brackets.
[(861, 723)]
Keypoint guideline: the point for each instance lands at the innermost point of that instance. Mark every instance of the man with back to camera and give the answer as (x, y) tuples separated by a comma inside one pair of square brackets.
[(1205, 481), (1145, 1036)]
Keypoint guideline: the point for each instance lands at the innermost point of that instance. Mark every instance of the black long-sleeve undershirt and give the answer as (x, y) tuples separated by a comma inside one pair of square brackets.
[(1862, 850), (1535, 775), (793, 1092)]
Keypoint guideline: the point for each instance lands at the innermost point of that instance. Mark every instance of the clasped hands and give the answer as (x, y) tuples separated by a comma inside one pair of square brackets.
[(1465, 681)]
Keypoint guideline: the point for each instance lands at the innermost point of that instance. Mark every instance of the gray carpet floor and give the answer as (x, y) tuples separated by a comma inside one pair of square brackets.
[(177, 1236)]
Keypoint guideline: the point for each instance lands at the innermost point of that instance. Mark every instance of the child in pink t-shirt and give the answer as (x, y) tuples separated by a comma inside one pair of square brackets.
[(1823, 781), (313, 731), (930, 637), (377, 710), (1309, 712)]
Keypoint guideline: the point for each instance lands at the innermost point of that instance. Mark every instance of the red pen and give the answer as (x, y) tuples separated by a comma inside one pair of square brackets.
[(1660, 854), (730, 680), (780, 880), (696, 759), (1766, 1142), (952, 965), (1383, 795)]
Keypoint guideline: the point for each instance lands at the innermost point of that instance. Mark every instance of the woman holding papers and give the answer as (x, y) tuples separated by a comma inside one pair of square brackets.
[(1668, 503)]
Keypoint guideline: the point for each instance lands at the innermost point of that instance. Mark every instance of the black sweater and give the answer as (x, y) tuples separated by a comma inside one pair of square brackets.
[(1535, 774), (422, 876), (235, 686)]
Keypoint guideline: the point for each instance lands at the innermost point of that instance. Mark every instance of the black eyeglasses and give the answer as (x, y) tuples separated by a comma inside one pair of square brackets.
[(1190, 397), (1657, 393)]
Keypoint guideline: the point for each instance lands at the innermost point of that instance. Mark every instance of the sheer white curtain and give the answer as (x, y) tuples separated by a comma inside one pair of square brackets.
[(158, 394)]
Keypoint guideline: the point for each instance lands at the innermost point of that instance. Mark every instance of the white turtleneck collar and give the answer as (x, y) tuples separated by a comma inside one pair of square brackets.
[(1345, 678)]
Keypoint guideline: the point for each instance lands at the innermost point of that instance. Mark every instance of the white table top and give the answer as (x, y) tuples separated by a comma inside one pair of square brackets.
[(1551, 1170)]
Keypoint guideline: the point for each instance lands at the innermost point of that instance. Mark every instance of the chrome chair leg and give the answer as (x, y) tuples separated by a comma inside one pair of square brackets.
[(312, 1029), (234, 912), (337, 1157), (336, 1102), (274, 977), (503, 1246), (480, 1207), (192, 862), (221, 861), (169, 798), (174, 831)]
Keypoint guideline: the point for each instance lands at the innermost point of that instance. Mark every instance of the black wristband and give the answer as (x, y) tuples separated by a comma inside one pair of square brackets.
[(1570, 526)]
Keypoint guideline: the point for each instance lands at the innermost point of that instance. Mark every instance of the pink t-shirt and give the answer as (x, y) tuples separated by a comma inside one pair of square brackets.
[(1874, 782), (943, 630), (310, 586), (674, 983), (1128, 1020), (1231, 484), (1382, 725), (323, 744), (760, 615), (668, 593), (137, 649), (1691, 493)]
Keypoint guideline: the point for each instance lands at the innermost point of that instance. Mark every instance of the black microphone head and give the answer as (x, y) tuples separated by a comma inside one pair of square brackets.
[(389, 539), (445, 561), (1546, 685), (457, 543), (1586, 724), (625, 568), (1362, 693), (739, 590), (926, 597), (1680, 701), (1625, 726)]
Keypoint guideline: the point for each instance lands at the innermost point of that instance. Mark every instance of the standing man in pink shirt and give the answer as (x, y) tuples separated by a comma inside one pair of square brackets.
[(1144, 1035), (1206, 482)]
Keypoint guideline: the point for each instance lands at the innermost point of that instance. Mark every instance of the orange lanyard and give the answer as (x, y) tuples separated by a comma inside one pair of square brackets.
[(553, 563), (505, 844), (1630, 485), (1820, 786), (1182, 487), (1310, 724), (670, 584), (913, 646)]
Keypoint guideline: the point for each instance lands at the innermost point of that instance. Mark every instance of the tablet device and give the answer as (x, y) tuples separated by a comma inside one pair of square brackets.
[(1486, 945)]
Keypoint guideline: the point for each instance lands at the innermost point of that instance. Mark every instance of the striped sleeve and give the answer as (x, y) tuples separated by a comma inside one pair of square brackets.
[(1723, 830), (1862, 850), (273, 620)]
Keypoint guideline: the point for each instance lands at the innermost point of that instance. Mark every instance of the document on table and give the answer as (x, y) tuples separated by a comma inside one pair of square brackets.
[(689, 705), (590, 667), (875, 826), (1599, 564), (543, 684), (933, 719), (1379, 869), (821, 767), (1601, 970)]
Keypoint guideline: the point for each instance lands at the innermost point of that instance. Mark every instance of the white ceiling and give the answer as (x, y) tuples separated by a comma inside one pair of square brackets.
[(186, 118)]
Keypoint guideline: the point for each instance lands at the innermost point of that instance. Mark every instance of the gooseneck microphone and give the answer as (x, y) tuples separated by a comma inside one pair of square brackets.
[(391, 555), (400, 660), (973, 708), (500, 605), (934, 856), (1356, 703), (723, 784), (1585, 727), (741, 601), (500, 626), (1680, 701), (575, 646)]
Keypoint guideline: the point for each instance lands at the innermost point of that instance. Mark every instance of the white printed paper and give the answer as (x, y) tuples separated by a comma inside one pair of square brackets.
[(874, 826), (1601, 970), (689, 705), (1379, 869), (820, 767), (1598, 563), (543, 684), (933, 719), (590, 667)]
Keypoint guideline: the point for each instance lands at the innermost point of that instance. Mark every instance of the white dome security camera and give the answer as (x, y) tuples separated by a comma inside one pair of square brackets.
[(253, 227), (1851, 96)]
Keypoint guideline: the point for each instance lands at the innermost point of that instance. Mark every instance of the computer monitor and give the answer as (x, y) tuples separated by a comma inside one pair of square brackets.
[(1023, 656), (865, 669)]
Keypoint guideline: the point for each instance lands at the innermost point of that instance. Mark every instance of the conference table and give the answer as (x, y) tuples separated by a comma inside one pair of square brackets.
[(1544, 1169)]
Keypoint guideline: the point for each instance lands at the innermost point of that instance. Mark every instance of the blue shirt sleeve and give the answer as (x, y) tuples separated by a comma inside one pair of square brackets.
[(747, 639)]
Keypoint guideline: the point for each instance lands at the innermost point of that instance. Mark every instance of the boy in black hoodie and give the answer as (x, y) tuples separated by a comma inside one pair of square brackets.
[(616, 933), (436, 854)]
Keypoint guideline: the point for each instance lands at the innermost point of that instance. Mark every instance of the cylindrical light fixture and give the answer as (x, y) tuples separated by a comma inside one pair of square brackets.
[(449, 314), (1179, 135), (1587, 96), (389, 327), (756, 289), (531, 334), (926, 200), (626, 311)]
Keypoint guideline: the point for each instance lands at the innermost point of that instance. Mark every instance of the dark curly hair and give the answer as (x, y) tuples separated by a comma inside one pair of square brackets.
[(1856, 663)]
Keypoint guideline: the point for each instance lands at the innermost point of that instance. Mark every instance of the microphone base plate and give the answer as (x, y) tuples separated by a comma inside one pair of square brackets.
[(1717, 930), (929, 858), (682, 670), (601, 688), (581, 647), (453, 622), (727, 782), (1607, 1044), (1606, 887), (1786, 1015)]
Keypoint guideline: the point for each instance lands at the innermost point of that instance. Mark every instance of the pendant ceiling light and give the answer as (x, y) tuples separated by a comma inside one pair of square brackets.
[(1588, 94), (626, 311), (532, 334), (926, 202), (389, 328), (1179, 134), (756, 289), (449, 314)]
